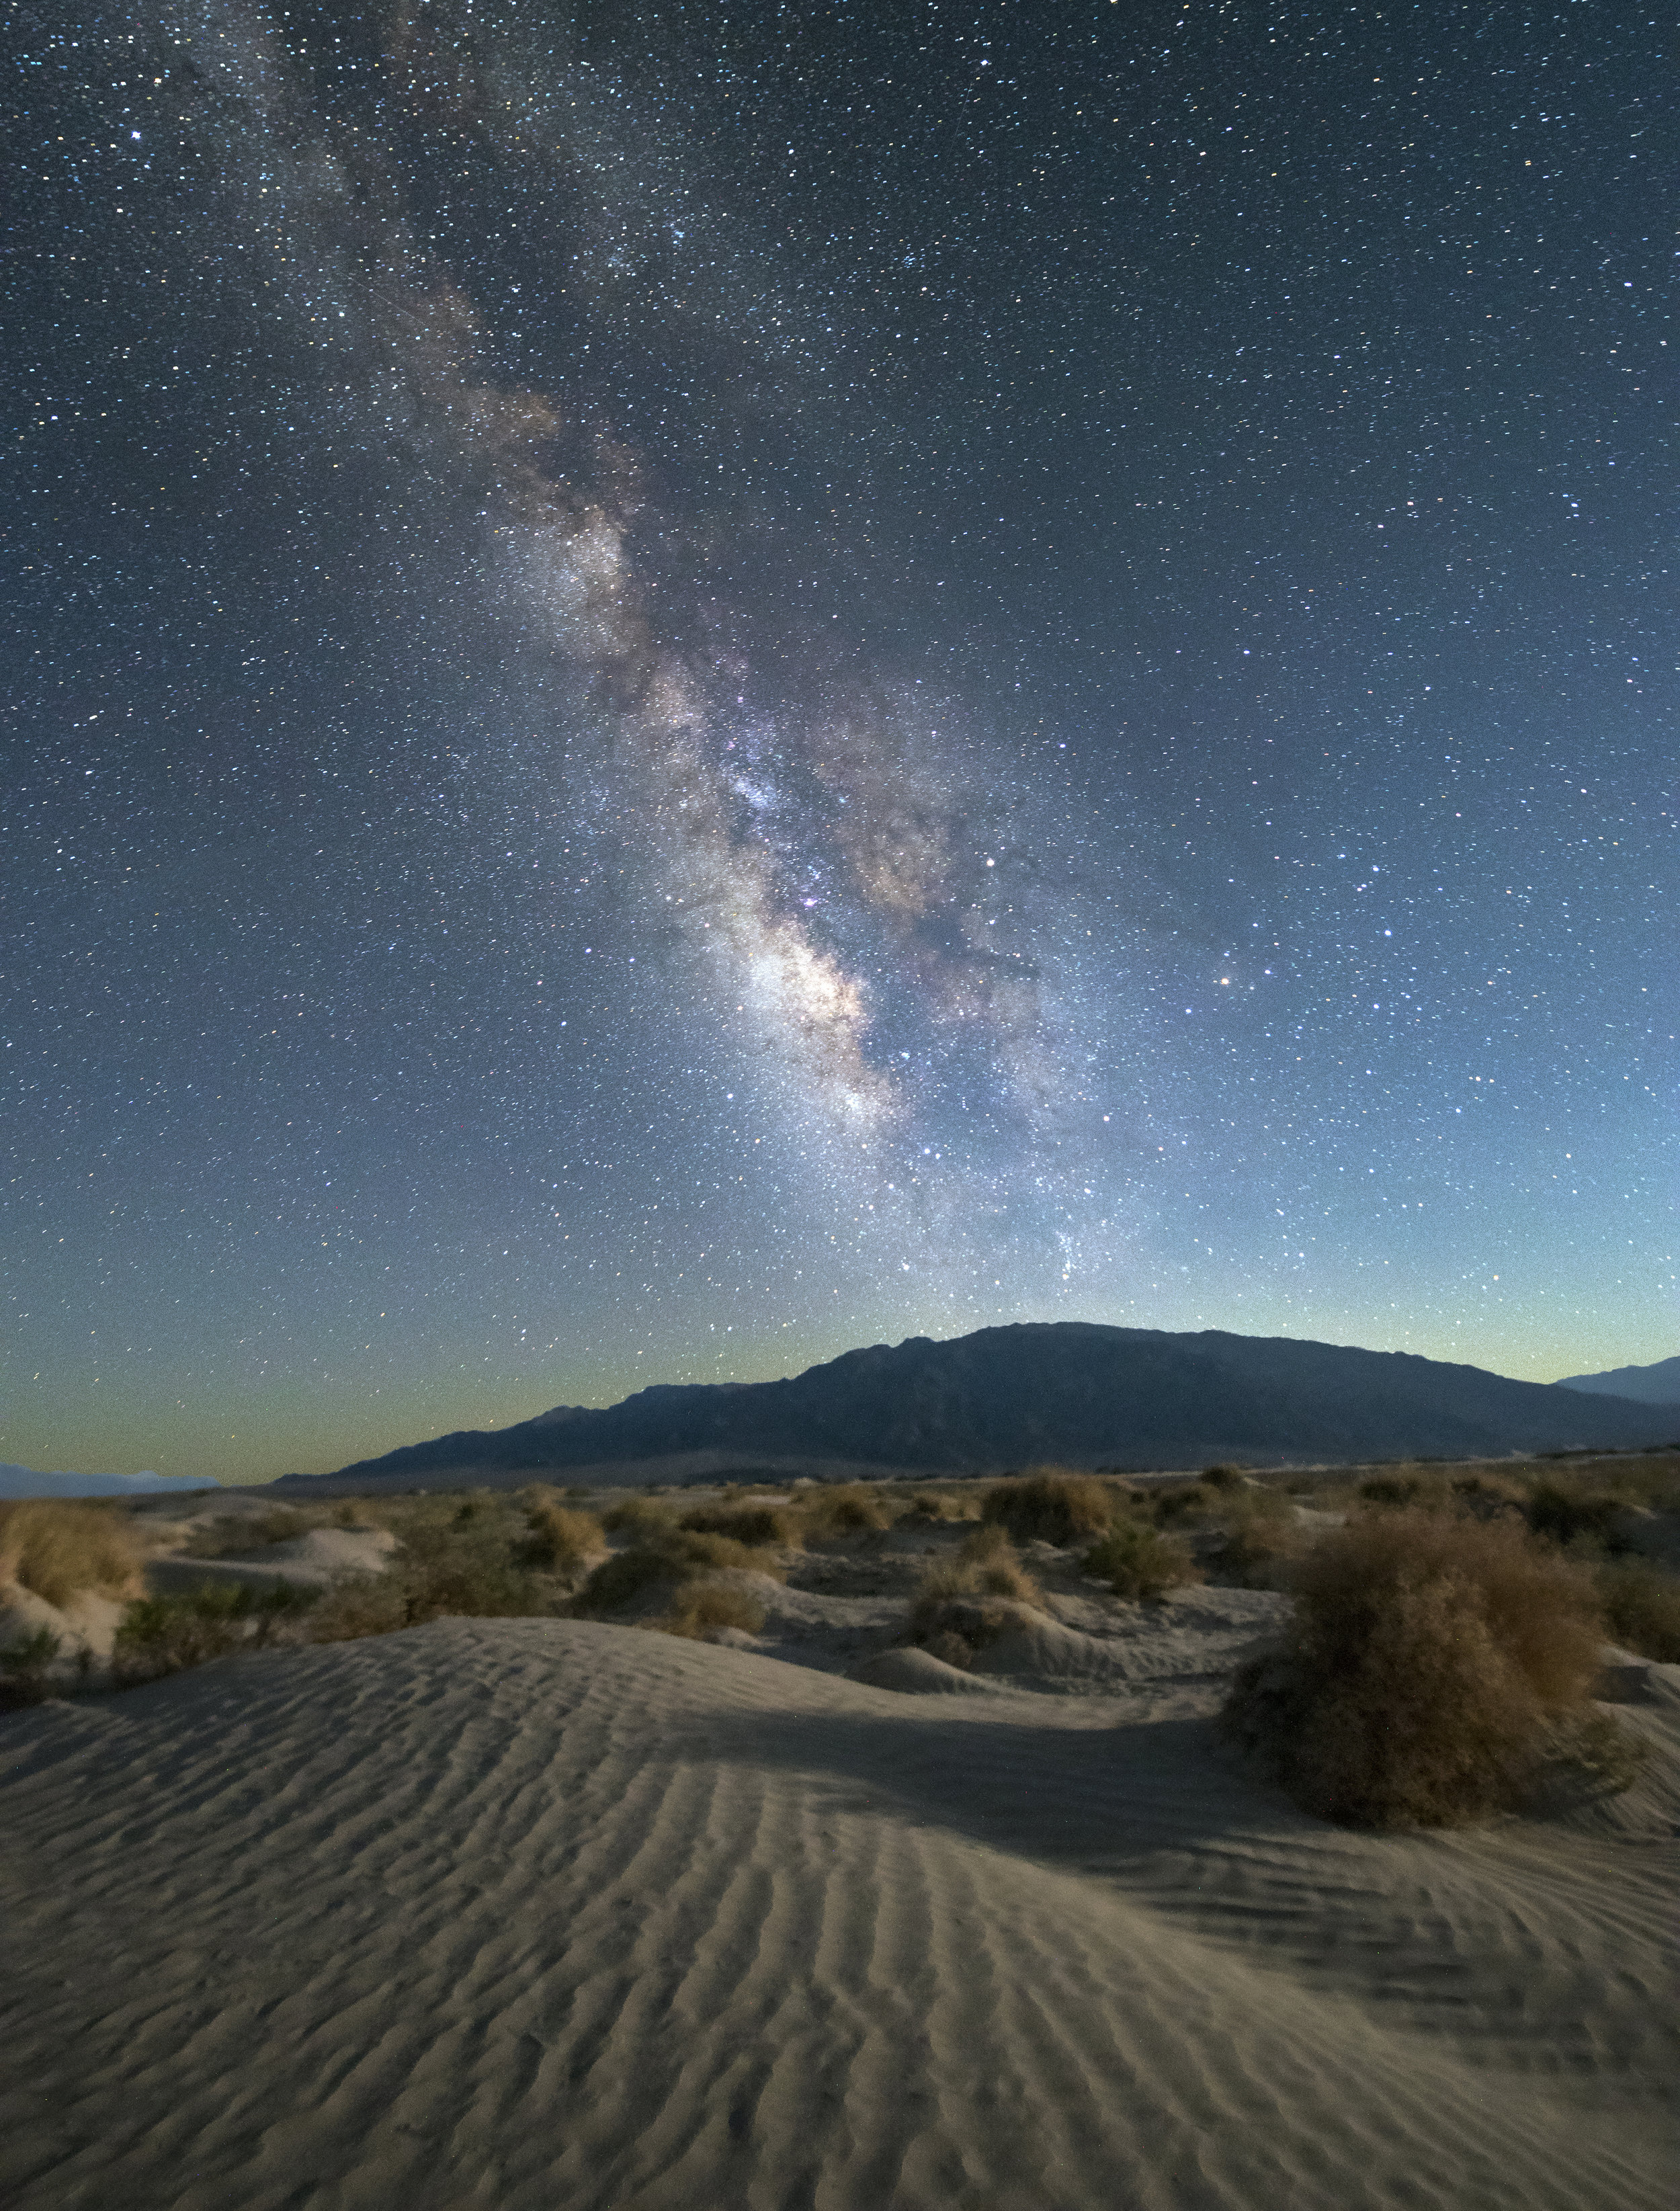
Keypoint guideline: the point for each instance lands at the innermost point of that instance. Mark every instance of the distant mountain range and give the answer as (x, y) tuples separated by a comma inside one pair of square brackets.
[(1068, 1391), (24, 1481), (1647, 1385)]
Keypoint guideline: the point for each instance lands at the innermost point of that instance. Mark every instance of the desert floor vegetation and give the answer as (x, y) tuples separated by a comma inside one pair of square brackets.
[(701, 1609), (1050, 1504), (1641, 1608), (963, 1602), (1137, 1561), (161, 1635), (761, 1526), (667, 1554), (59, 1548), (1433, 1667), (560, 1539)]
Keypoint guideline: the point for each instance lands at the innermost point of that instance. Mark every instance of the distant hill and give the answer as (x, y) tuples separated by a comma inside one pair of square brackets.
[(1067, 1391), (24, 1481), (1647, 1385)]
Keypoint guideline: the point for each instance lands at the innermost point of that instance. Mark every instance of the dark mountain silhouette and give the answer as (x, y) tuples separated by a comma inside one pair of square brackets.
[(1645, 1385), (1068, 1391)]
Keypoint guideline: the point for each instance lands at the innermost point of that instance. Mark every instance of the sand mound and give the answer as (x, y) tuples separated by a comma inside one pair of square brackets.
[(532, 1913), (918, 1673)]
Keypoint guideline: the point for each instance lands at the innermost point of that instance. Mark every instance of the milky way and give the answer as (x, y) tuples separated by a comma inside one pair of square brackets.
[(694, 686)]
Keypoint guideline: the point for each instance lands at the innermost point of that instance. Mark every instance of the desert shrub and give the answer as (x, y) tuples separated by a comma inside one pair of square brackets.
[(1641, 1609), (1406, 1486), (559, 1538), (1259, 1543), (929, 1509), (699, 1609), (1185, 1500), (56, 1546), (1050, 1506), (753, 1525), (1222, 1477), (969, 1595), (24, 1670), (159, 1635), (671, 1554), (1569, 1512), (1483, 1493), (359, 1605), (1136, 1561), (1431, 1664), (579, 1489), (634, 1516), (232, 1535), (848, 1509)]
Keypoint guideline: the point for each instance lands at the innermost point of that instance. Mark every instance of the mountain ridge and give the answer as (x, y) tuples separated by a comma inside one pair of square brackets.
[(1075, 1391)]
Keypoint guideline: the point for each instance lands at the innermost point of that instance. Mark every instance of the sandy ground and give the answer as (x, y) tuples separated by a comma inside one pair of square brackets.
[(547, 1913)]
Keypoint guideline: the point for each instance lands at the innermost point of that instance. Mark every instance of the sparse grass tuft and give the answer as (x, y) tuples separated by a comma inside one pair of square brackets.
[(1050, 1505), (59, 1547), (701, 1609), (1433, 1666), (1641, 1609), (1136, 1561)]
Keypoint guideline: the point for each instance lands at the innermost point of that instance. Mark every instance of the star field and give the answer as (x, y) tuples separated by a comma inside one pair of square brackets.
[(686, 686)]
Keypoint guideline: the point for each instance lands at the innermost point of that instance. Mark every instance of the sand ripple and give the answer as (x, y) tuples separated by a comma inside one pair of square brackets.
[(551, 1914)]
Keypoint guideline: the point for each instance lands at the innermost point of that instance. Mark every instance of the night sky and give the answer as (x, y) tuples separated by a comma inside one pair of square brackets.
[(686, 687)]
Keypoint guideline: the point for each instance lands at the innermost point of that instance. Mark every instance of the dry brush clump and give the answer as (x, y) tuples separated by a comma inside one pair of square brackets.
[(700, 1609), (61, 1548), (1641, 1609), (1049, 1504), (1434, 1665), (845, 1509), (759, 1526), (963, 1602), (1136, 1561), (560, 1539), (161, 1635), (664, 1555)]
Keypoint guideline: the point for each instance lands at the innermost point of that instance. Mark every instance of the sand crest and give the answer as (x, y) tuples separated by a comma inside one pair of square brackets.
[(536, 1913)]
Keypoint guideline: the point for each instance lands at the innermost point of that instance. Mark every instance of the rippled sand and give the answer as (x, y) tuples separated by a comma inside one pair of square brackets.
[(557, 1915)]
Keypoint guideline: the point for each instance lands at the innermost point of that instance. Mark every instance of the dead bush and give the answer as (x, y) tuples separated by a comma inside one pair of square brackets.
[(58, 1548), (1641, 1609), (756, 1525), (1433, 1664), (1406, 1486), (559, 1538), (1050, 1505), (698, 1610), (1136, 1561)]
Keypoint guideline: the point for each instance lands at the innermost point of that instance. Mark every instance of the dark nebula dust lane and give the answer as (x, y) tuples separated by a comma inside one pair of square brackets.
[(686, 686)]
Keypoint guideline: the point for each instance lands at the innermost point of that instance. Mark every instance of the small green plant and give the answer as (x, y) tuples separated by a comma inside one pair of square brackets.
[(26, 1669), (1136, 1561), (1050, 1505), (159, 1635)]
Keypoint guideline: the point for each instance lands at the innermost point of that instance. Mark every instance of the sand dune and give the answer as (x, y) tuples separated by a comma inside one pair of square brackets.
[(547, 1913)]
